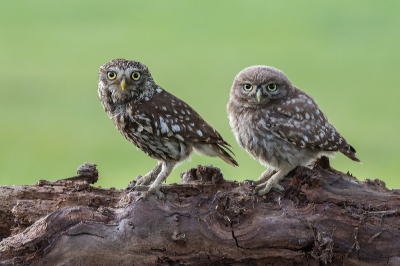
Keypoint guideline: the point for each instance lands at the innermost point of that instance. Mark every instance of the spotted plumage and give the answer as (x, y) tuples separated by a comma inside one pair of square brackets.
[(158, 123), (279, 124)]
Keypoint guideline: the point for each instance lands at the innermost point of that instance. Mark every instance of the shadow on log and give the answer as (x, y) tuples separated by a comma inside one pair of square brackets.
[(323, 217)]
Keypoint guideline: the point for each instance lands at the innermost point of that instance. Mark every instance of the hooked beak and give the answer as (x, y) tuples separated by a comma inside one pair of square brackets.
[(123, 84), (259, 94)]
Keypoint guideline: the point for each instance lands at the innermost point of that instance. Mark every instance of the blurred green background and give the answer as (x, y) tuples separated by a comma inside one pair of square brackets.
[(346, 54)]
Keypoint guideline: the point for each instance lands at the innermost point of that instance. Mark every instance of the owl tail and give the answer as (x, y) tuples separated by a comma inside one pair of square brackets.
[(215, 150), (350, 152)]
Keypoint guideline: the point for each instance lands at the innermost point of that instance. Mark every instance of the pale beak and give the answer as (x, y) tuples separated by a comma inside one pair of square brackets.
[(259, 94), (123, 84)]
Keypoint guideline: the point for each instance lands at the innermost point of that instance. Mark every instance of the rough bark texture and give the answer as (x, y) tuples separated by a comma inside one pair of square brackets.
[(323, 217)]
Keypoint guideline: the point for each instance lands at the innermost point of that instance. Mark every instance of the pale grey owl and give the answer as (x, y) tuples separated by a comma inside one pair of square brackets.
[(279, 125), (158, 123)]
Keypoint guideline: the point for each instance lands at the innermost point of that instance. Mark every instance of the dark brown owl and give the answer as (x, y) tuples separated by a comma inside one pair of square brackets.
[(279, 124), (158, 123)]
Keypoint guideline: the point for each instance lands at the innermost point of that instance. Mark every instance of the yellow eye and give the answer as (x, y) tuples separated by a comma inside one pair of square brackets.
[(111, 75), (247, 87), (271, 87), (135, 75)]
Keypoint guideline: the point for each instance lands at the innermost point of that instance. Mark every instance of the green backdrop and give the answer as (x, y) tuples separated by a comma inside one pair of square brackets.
[(346, 54)]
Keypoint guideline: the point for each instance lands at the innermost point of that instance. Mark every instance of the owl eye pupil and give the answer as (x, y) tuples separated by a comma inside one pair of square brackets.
[(135, 76), (272, 87), (111, 75), (247, 87)]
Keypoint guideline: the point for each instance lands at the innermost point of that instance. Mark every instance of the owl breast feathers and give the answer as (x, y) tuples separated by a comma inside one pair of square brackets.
[(279, 124), (158, 123)]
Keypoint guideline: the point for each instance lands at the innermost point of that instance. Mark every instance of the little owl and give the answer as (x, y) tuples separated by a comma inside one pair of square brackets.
[(158, 123), (279, 125)]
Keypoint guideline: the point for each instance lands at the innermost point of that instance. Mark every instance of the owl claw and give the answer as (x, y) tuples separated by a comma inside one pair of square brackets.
[(280, 188), (149, 192), (140, 198), (266, 188)]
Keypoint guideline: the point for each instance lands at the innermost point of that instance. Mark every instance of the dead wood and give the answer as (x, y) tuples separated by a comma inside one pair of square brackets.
[(323, 217)]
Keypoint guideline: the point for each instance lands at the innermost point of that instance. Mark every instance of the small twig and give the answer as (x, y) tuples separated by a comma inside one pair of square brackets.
[(374, 236)]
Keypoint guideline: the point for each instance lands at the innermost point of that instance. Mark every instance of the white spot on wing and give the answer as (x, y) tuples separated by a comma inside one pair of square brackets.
[(164, 127), (175, 128), (199, 133)]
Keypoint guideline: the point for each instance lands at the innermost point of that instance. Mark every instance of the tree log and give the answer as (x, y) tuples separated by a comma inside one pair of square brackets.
[(323, 217)]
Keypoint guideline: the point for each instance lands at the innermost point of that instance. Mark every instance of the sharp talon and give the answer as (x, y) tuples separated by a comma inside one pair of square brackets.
[(278, 188), (253, 186), (140, 198), (255, 193)]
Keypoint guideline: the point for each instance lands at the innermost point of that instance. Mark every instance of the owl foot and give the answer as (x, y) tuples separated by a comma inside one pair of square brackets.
[(145, 180), (265, 188), (140, 188), (261, 180), (148, 178), (149, 191)]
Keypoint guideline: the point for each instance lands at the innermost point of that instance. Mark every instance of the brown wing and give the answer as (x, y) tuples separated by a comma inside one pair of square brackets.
[(168, 116), (300, 121)]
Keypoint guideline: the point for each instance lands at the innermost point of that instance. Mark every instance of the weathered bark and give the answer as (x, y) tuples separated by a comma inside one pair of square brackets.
[(323, 217)]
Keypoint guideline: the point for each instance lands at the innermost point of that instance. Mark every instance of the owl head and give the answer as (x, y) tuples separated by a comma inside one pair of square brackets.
[(259, 85), (125, 79)]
